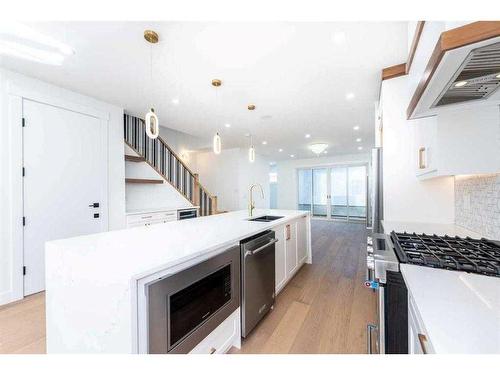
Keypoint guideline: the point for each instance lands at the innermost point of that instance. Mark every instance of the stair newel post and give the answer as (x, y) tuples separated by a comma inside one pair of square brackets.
[(196, 187), (214, 205)]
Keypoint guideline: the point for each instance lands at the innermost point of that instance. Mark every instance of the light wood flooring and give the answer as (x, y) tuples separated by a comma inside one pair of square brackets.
[(324, 309)]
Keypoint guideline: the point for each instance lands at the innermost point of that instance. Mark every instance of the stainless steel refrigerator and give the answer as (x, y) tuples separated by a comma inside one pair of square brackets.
[(376, 191)]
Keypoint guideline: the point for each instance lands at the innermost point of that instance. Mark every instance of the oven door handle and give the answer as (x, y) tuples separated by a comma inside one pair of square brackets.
[(259, 249), (369, 329)]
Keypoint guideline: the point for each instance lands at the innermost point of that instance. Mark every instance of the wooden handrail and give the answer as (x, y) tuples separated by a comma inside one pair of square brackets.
[(163, 158)]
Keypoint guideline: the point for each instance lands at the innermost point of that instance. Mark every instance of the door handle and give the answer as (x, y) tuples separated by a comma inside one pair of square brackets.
[(94, 205), (369, 329), (259, 249)]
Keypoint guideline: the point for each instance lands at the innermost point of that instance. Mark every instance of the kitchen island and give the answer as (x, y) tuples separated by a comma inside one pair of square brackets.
[(95, 284)]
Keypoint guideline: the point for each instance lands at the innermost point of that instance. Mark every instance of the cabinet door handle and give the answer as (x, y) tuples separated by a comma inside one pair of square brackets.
[(422, 339), (212, 350), (288, 232), (421, 158)]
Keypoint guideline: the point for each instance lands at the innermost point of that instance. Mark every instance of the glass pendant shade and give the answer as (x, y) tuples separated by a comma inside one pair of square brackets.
[(251, 154), (217, 144), (152, 126)]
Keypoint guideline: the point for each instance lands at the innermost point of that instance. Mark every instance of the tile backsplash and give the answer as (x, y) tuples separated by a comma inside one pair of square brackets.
[(477, 204)]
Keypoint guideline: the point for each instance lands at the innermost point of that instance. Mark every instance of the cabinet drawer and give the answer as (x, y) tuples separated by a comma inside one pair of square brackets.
[(222, 338), (151, 217)]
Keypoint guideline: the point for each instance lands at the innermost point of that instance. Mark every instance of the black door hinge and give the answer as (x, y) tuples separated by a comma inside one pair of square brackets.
[(24, 172), (24, 270), (24, 221), (24, 122)]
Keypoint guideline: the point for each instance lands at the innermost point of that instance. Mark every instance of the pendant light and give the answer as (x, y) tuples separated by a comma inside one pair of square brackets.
[(217, 142), (151, 120), (251, 150), (251, 154)]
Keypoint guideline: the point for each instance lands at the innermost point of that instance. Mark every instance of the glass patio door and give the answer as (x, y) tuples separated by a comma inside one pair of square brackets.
[(338, 192), (320, 196)]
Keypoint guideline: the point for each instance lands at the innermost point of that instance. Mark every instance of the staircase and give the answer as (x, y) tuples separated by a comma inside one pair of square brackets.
[(167, 164)]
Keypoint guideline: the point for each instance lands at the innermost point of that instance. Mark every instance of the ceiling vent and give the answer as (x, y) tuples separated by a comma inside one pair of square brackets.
[(477, 78)]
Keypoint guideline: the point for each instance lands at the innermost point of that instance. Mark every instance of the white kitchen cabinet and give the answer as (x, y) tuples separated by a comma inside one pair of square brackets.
[(291, 247), (458, 143), (222, 338), (150, 218), (418, 339), (302, 240), (280, 253)]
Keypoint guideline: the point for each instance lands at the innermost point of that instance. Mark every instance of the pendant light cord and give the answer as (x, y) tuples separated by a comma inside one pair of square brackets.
[(151, 72)]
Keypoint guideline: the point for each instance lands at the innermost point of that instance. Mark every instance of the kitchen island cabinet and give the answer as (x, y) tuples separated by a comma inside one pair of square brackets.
[(95, 298)]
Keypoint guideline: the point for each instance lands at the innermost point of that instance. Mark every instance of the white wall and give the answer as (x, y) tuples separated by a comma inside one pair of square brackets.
[(12, 87), (183, 144), (229, 176), (287, 174)]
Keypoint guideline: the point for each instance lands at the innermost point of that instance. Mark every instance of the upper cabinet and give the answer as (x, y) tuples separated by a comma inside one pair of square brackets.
[(461, 69), (458, 143)]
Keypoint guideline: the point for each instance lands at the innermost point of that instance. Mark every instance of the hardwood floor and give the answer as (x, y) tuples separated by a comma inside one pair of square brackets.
[(22, 326), (324, 308)]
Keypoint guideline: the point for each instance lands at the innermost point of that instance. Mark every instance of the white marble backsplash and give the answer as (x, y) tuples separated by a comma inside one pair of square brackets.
[(477, 204)]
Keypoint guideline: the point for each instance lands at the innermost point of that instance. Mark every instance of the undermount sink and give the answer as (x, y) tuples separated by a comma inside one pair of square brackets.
[(266, 218)]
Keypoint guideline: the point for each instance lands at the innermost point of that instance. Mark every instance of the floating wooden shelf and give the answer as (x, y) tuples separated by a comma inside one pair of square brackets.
[(142, 181), (135, 159)]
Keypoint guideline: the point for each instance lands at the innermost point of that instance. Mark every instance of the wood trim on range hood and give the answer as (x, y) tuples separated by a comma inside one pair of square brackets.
[(449, 40), (403, 69), (394, 71), (414, 44)]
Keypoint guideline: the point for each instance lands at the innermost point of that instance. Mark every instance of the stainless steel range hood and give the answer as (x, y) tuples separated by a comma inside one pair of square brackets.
[(462, 71), (477, 78)]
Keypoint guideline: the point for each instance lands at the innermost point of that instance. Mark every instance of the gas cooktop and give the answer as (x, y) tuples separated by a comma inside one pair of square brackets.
[(453, 253)]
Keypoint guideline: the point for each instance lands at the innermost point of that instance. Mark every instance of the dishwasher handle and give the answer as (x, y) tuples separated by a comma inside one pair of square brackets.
[(259, 249)]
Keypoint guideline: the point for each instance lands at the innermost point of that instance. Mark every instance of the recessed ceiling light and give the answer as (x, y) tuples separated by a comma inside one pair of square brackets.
[(460, 84), (280, 150), (358, 139), (338, 37), (264, 142), (349, 96), (308, 135), (356, 127), (175, 101), (292, 156), (227, 125), (360, 148)]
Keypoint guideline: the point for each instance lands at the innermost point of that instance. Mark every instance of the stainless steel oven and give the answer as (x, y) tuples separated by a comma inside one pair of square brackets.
[(389, 334), (185, 307)]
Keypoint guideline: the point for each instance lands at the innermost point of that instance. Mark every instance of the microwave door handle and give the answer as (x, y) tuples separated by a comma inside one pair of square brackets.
[(259, 249)]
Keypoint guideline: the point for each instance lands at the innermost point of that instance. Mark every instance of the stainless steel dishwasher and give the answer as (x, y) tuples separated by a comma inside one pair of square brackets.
[(257, 279)]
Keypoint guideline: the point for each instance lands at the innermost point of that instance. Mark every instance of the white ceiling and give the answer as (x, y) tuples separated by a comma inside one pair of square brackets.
[(296, 74)]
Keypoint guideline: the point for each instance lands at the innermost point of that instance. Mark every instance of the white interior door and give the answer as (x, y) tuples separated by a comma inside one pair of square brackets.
[(65, 174)]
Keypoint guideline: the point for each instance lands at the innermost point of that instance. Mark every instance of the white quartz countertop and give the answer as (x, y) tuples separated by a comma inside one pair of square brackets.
[(138, 252), (460, 311), (428, 228), (139, 211)]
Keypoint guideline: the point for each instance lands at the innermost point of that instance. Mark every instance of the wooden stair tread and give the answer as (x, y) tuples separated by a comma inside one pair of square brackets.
[(142, 181), (135, 159)]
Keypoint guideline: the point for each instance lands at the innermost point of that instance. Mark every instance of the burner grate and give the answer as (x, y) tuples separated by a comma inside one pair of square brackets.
[(454, 253)]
